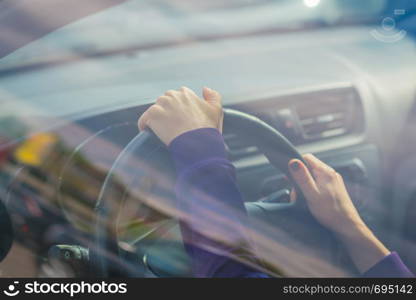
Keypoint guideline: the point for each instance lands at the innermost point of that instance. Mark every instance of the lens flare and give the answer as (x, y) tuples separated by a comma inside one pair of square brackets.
[(311, 3)]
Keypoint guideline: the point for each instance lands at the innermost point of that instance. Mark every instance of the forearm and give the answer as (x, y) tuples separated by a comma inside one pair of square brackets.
[(370, 255), (214, 219), (363, 246)]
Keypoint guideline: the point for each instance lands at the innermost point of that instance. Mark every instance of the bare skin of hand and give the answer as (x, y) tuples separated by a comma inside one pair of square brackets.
[(326, 194), (180, 111), (331, 205)]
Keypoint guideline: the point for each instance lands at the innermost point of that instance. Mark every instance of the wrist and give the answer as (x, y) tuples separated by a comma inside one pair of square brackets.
[(363, 246), (358, 235), (197, 145), (352, 229)]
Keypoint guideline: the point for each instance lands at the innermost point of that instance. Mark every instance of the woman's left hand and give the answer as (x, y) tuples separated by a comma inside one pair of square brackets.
[(179, 111)]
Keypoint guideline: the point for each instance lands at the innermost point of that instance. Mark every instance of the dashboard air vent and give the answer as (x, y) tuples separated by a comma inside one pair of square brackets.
[(328, 115)]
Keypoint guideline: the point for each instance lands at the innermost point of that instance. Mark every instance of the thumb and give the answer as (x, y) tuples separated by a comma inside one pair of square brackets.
[(303, 177), (211, 96)]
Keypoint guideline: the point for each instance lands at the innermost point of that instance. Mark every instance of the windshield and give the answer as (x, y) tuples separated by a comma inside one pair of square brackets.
[(148, 24), (71, 97)]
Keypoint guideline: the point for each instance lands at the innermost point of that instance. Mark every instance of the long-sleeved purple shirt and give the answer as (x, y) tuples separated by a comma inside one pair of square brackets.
[(214, 214)]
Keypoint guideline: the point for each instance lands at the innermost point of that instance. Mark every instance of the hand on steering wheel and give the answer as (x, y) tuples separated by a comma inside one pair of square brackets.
[(326, 196), (331, 205), (177, 112)]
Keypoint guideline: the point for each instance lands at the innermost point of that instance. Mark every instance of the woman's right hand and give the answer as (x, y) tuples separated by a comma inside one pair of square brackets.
[(330, 203), (326, 194)]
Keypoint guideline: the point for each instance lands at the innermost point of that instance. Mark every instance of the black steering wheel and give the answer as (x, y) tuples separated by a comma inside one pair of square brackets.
[(278, 150)]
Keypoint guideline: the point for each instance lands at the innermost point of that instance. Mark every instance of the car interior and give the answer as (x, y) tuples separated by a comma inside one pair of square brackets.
[(331, 86)]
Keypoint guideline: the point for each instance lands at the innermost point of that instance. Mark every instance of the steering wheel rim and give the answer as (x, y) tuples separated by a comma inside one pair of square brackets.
[(277, 149)]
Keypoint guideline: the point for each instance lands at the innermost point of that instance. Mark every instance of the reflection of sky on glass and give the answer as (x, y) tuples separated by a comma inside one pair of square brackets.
[(151, 22), (139, 77)]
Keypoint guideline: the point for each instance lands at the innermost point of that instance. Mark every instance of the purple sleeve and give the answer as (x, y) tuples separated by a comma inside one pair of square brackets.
[(390, 266), (213, 215)]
